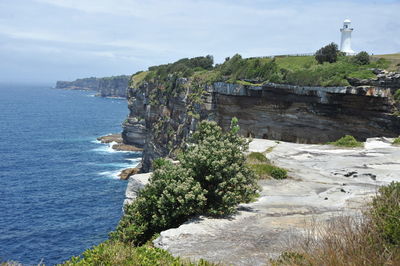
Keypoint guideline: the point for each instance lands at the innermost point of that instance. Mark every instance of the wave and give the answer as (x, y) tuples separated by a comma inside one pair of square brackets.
[(106, 148), (113, 174)]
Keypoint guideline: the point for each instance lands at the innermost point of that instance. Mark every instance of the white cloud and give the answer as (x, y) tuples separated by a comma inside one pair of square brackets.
[(142, 33)]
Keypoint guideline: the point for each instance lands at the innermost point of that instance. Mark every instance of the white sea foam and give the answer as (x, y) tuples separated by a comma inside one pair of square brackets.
[(134, 160), (113, 174), (118, 165), (106, 148)]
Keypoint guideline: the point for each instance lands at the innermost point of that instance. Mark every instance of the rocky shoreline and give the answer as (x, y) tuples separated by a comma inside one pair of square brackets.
[(326, 182), (116, 143)]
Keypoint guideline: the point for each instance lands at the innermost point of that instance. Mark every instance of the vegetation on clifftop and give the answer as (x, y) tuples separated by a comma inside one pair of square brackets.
[(331, 70)]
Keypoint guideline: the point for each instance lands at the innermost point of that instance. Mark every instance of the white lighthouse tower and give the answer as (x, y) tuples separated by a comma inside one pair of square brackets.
[(345, 43)]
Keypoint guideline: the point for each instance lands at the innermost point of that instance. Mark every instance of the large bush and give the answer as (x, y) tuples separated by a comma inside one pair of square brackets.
[(362, 58), (168, 200), (328, 53), (217, 162), (211, 179)]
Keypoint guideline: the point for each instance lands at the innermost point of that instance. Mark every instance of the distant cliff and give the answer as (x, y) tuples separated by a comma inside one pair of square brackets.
[(79, 84), (163, 114), (107, 87)]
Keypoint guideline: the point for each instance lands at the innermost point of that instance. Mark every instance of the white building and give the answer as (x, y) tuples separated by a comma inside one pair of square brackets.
[(345, 43)]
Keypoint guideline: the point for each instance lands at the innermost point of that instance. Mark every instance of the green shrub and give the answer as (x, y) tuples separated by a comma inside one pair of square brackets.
[(170, 198), (386, 213), (217, 162), (396, 141), (279, 173), (328, 53), (159, 163), (362, 58), (347, 141), (118, 253), (211, 179)]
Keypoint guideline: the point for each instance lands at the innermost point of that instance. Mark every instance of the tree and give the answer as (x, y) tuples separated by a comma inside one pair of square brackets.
[(212, 179), (362, 58), (328, 53), (217, 162)]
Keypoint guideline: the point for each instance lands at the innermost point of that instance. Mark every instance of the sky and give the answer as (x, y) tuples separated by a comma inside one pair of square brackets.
[(42, 41)]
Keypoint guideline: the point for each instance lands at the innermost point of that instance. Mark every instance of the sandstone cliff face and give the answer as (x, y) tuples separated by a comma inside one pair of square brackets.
[(160, 122), (107, 87), (114, 86), (161, 119)]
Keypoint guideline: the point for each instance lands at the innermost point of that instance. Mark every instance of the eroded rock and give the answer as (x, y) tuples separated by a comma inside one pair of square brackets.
[(126, 173), (318, 191)]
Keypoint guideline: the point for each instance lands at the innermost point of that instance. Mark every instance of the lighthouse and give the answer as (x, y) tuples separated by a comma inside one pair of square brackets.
[(345, 43)]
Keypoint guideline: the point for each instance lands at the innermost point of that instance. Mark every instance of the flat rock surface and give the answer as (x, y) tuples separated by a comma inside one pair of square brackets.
[(135, 183), (111, 138), (325, 181), (116, 142)]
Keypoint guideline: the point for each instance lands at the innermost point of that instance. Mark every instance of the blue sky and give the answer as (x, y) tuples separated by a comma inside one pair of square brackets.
[(42, 41)]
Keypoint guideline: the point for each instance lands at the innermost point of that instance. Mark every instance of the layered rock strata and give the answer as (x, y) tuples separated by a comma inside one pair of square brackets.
[(162, 118)]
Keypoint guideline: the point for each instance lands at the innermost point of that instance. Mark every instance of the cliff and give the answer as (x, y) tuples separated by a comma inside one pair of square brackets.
[(107, 87), (165, 107), (160, 122), (79, 84), (113, 86)]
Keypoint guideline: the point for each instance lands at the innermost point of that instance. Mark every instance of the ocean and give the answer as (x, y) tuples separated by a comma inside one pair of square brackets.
[(59, 190)]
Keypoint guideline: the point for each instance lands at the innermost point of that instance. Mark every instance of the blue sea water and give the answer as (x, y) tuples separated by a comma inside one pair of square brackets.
[(59, 194)]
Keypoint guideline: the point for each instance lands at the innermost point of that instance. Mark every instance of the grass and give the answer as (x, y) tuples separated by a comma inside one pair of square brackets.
[(370, 239), (393, 59), (138, 78), (246, 83), (396, 141), (257, 157), (294, 70), (263, 168), (118, 253), (348, 142)]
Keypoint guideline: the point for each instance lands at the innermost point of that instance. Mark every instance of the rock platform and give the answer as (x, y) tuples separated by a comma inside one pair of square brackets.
[(325, 182)]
